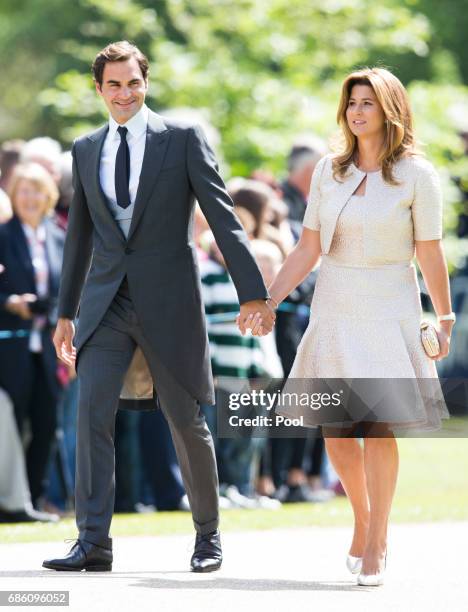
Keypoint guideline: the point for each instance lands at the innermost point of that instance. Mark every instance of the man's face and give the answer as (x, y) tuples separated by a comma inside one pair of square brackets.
[(123, 89)]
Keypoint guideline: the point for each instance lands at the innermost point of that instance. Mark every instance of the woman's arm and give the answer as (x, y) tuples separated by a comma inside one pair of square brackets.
[(431, 259), (298, 264)]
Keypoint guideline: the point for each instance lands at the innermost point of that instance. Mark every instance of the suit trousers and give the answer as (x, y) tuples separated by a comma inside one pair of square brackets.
[(102, 365)]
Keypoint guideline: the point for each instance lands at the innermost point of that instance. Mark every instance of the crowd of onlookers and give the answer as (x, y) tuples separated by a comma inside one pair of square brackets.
[(38, 394)]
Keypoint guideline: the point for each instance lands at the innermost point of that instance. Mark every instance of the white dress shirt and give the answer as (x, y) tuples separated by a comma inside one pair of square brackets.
[(136, 139), (36, 239)]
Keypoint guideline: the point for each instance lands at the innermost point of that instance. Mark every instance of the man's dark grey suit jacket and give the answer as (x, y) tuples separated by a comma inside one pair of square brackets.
[(159, 256)]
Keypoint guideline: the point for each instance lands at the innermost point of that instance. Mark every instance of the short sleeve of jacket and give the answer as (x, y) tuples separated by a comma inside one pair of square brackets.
[(427, 203), (311, 216)]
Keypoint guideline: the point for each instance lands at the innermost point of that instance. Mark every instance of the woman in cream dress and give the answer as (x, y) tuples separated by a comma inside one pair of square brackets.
[(371, 209)]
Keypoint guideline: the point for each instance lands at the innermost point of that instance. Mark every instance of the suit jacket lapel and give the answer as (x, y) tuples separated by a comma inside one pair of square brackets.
[(157, 138), (97, 142)]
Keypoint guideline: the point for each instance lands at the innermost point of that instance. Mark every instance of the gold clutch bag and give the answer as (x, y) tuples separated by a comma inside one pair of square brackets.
[(429, 339)]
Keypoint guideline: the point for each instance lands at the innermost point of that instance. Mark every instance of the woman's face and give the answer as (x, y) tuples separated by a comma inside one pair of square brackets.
[(364, 114), (30, 202)]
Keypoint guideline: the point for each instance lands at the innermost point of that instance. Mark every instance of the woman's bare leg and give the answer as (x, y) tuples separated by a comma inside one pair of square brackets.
[(347, 457), (381, 469)]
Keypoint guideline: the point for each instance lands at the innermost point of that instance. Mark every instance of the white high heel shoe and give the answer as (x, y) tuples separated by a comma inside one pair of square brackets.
[(354, 564), (373, 579)]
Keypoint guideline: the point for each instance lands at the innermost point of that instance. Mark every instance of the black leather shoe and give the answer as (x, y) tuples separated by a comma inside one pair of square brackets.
[(83, 556), (207, 555)]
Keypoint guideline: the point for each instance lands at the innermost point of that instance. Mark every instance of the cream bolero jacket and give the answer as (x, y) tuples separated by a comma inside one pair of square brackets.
[(396, 215)]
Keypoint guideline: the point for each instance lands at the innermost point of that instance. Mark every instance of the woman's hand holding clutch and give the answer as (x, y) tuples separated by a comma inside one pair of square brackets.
[(444, 333)]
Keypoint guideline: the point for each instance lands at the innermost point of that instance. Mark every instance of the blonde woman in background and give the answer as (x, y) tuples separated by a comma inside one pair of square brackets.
[(31, 250), (371, 208)]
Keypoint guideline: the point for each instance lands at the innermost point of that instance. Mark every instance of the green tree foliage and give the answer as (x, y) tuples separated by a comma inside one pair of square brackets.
[(262, 71)]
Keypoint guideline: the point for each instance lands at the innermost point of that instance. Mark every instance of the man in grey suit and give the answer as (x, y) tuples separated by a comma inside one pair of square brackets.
[(130, 265)]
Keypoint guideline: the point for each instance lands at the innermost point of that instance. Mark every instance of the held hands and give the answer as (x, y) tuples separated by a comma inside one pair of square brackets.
[(63, 341), (258, 316)]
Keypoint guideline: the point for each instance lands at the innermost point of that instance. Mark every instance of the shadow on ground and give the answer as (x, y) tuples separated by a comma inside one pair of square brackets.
[(221, 583)]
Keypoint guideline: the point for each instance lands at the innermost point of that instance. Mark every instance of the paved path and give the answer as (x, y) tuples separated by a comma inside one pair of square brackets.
[(288, 570)]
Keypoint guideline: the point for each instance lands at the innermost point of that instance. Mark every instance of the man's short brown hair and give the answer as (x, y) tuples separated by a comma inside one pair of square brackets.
[(120, 51)]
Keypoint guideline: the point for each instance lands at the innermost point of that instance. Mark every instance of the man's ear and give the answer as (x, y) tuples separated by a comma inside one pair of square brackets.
[(98, 87)]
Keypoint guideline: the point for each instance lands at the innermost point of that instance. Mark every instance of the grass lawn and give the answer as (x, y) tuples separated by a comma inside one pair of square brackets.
[(433, 486)]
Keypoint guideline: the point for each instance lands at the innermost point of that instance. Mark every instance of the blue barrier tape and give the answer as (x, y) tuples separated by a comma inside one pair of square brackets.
[(222, 317), (18, 333)]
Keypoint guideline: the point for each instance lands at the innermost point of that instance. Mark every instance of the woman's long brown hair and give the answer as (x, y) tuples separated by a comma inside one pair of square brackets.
[(399, 136)]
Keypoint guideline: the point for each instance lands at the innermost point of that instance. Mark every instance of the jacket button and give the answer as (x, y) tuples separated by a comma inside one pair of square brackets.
[(128, 250)]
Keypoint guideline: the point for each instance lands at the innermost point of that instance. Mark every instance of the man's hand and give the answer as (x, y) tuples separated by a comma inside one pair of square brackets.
[(19, 305), (256, 315), (63, 341)]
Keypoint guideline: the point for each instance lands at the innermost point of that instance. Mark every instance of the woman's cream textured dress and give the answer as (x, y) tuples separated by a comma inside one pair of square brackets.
[(366, 309)]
